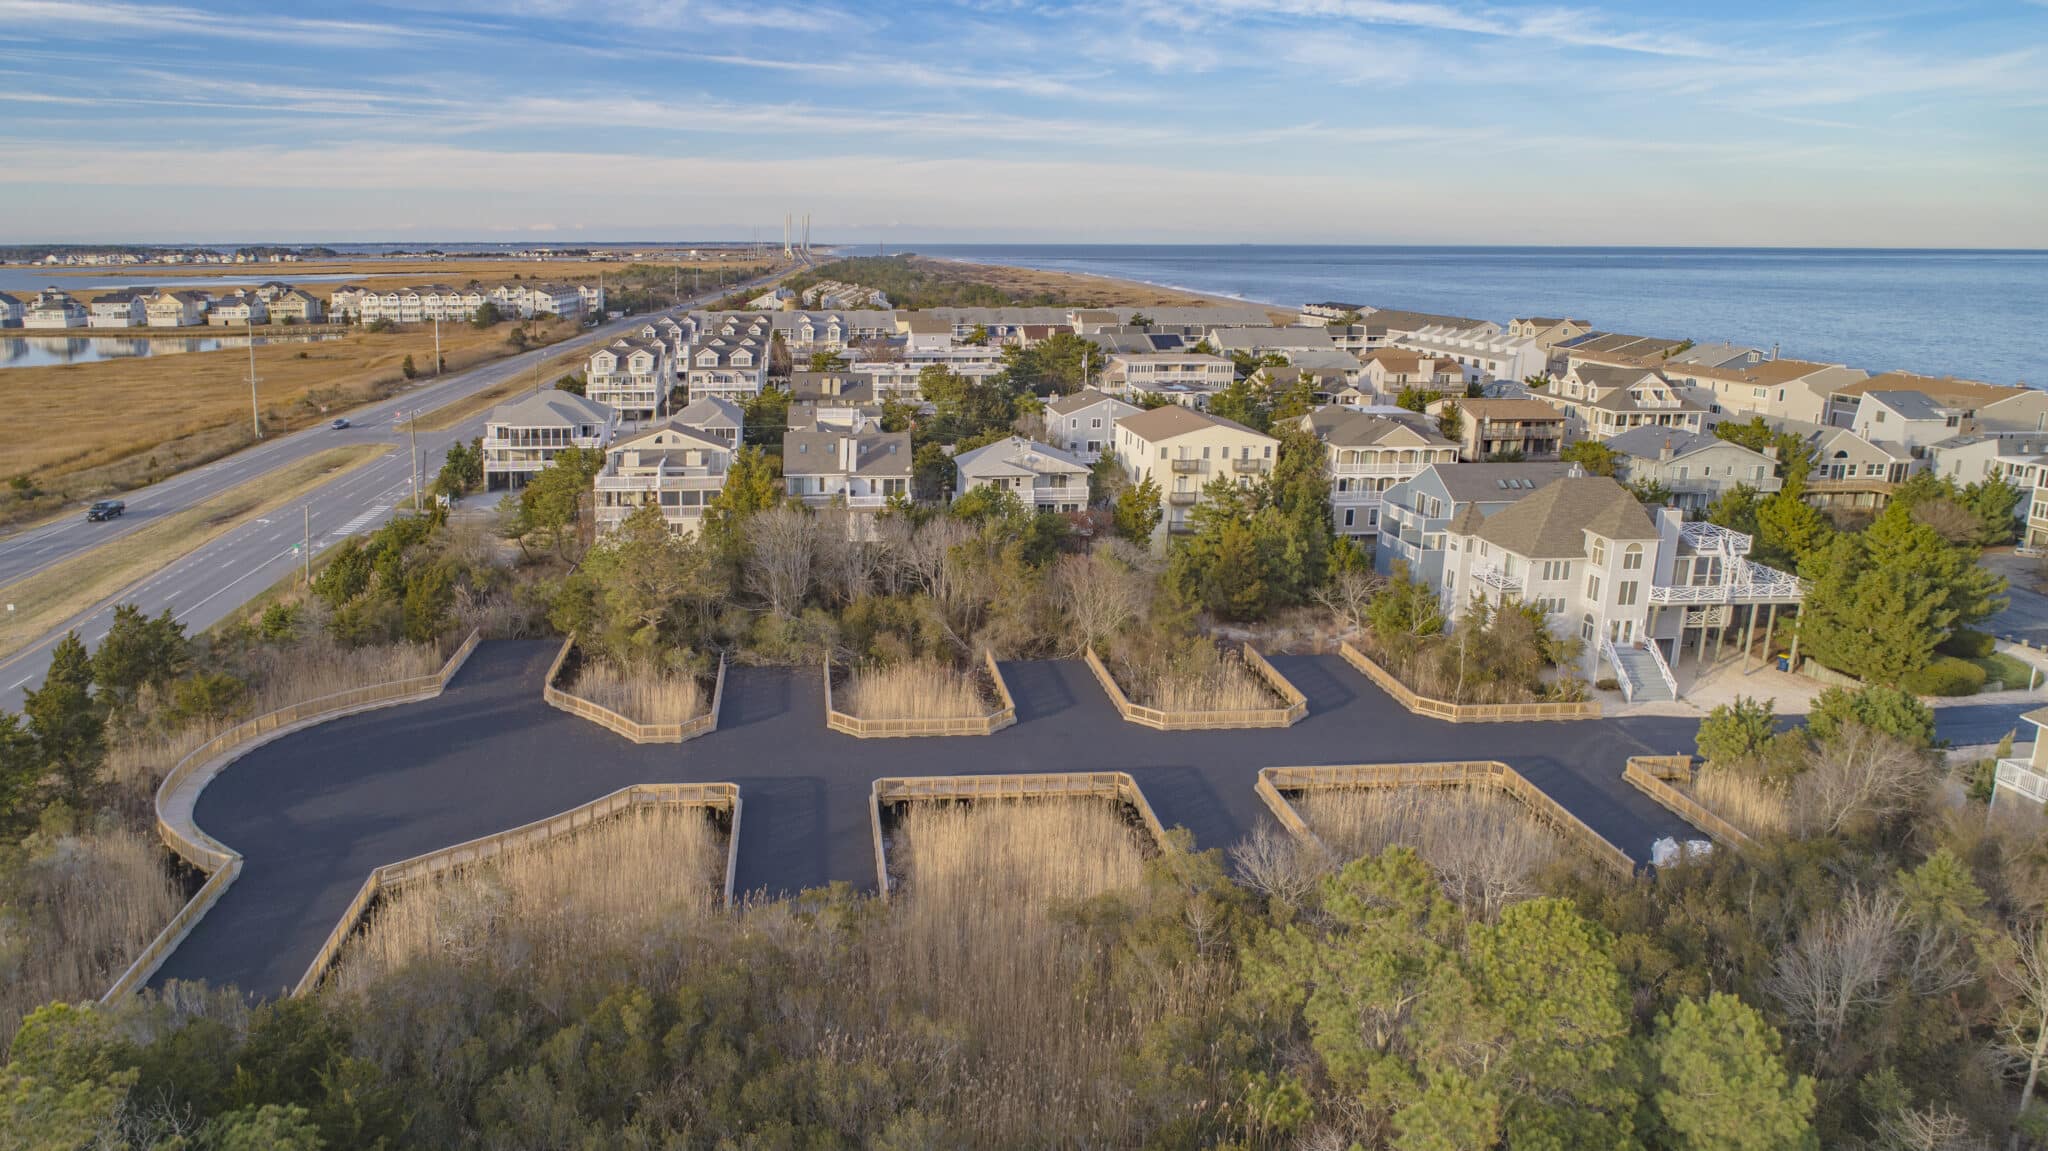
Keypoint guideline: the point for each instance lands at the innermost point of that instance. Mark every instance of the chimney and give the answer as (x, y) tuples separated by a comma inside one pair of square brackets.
[(1664, 453), (849, 453)]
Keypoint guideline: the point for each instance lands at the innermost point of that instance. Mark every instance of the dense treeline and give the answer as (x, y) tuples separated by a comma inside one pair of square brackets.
[(913, 283)]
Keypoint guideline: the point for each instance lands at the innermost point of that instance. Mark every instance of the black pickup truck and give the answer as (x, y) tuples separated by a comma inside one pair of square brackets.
[(105, 510)]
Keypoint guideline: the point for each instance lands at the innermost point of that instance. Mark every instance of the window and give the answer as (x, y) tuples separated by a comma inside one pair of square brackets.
[(1632, 559), (1586, 627), (1095, 422), (1599, 552), (1593, 588), (1554, 570), (1625, 593), (1348, 514)]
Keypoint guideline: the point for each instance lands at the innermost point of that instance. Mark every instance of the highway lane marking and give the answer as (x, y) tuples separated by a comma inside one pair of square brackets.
[(19, 682), (183, 615)]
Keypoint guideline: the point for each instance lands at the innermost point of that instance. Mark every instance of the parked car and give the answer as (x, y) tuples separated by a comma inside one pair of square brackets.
[(105, 510), (337, 425)]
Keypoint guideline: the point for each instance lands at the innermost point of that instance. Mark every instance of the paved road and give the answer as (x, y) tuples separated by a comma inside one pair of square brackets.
[(315, 811), (211, 582)]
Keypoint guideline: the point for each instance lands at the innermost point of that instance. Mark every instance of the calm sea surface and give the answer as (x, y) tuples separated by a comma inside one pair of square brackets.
[(1966, 313)]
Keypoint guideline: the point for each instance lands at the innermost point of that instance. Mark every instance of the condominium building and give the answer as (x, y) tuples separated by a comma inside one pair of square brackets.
[(729, 357), (1083, 423), (1696, 469), (631, 376), (1488, 428), (177, 308), (862, 467), (523, 437), (54, 309), (1044, 478), (10, 311), (239, 310), (295, 306), (1388, 372), (1368, 454), (1777, 390), (1184, 378), (1415, 512), (1486, 352), (1602, 401), (124, 308), (672, 465), (1182, 450)]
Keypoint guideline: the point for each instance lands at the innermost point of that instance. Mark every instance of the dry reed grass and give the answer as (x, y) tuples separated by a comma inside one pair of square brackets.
[(1228, 686), (641, 696), (1758, 806), (975, 941), (74, 913), (918, 689), (1486, 848), (623, 886)]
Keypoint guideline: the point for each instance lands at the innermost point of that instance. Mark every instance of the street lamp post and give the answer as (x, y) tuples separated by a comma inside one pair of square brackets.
[(255, 420)]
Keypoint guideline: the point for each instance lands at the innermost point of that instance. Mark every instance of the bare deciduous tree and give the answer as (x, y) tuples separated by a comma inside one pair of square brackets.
[(1837, 967), (1347, 594), (2024, 1030), (1279, 866), (1862, 775), (1099, 592), (784, 540), (1928, 1129)]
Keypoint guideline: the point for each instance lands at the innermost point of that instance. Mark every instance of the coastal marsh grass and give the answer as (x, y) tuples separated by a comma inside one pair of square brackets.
[(627, 885), (1757, 805), (1485, 847), (641, 696), (913, 689), (75, 910)]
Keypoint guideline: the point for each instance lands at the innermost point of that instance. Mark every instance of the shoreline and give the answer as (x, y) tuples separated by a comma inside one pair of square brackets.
[(1115, 285)]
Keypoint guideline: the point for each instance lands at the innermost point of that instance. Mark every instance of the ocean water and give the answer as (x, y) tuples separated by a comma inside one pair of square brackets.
[(1977, 314)]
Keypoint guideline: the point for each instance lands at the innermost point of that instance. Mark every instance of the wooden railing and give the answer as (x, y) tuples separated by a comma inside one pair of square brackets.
[(1115, 786), (1275, 782), (885, 727), (392, 876), (576, 705), (1462, 712), (1291, 713), (178, 795), (1653, 775)]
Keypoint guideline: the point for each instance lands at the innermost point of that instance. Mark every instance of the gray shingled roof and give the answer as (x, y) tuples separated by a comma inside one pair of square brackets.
[(1492, 483), (1552, 522), (1085, 398), (807, 453), (1017, 456), (1911, 405), (551, 408)]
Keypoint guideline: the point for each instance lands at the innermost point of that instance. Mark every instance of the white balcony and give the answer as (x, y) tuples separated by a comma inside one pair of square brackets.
[(1397, 469), (1747, 583), (1357, 498), (1497, 579), (2020, 776)]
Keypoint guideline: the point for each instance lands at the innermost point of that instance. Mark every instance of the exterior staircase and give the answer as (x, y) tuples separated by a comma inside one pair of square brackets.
[(1644, 674)]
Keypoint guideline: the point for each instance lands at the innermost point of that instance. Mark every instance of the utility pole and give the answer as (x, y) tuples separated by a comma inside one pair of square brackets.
[(413, 428), (437, 341), (255, 420)]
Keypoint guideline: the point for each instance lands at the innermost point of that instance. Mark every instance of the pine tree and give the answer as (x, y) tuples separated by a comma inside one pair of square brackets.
[(1721, 1082), (65, 719)]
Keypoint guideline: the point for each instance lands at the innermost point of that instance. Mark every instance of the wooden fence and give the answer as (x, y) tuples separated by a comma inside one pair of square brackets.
[(1291, 713), (1462, 712), (1115, 786), (885, 728), (1275, 782), (179, 792), (392, 876), (605, 717), (1653, 775)]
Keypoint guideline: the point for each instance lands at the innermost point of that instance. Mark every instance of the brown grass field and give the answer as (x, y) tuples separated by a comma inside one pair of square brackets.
[(627, 883), (47, 598), (121, 424), (382, 274)]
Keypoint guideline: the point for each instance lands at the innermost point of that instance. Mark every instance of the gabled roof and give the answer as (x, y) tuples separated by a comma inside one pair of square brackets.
[(1174, 420), (1493, 483), (812, 453), (1350, 428), (1082, 400), (1019, 457), (1509, 409), (1946, 389), (711, 412), (1648, 442), (1247, 339), (1617, 343), (1911, 405), (1552, 522), (551, 408), (673, 432)]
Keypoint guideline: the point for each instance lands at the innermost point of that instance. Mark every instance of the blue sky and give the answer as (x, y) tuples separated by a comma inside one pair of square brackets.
[(1854, 124)]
